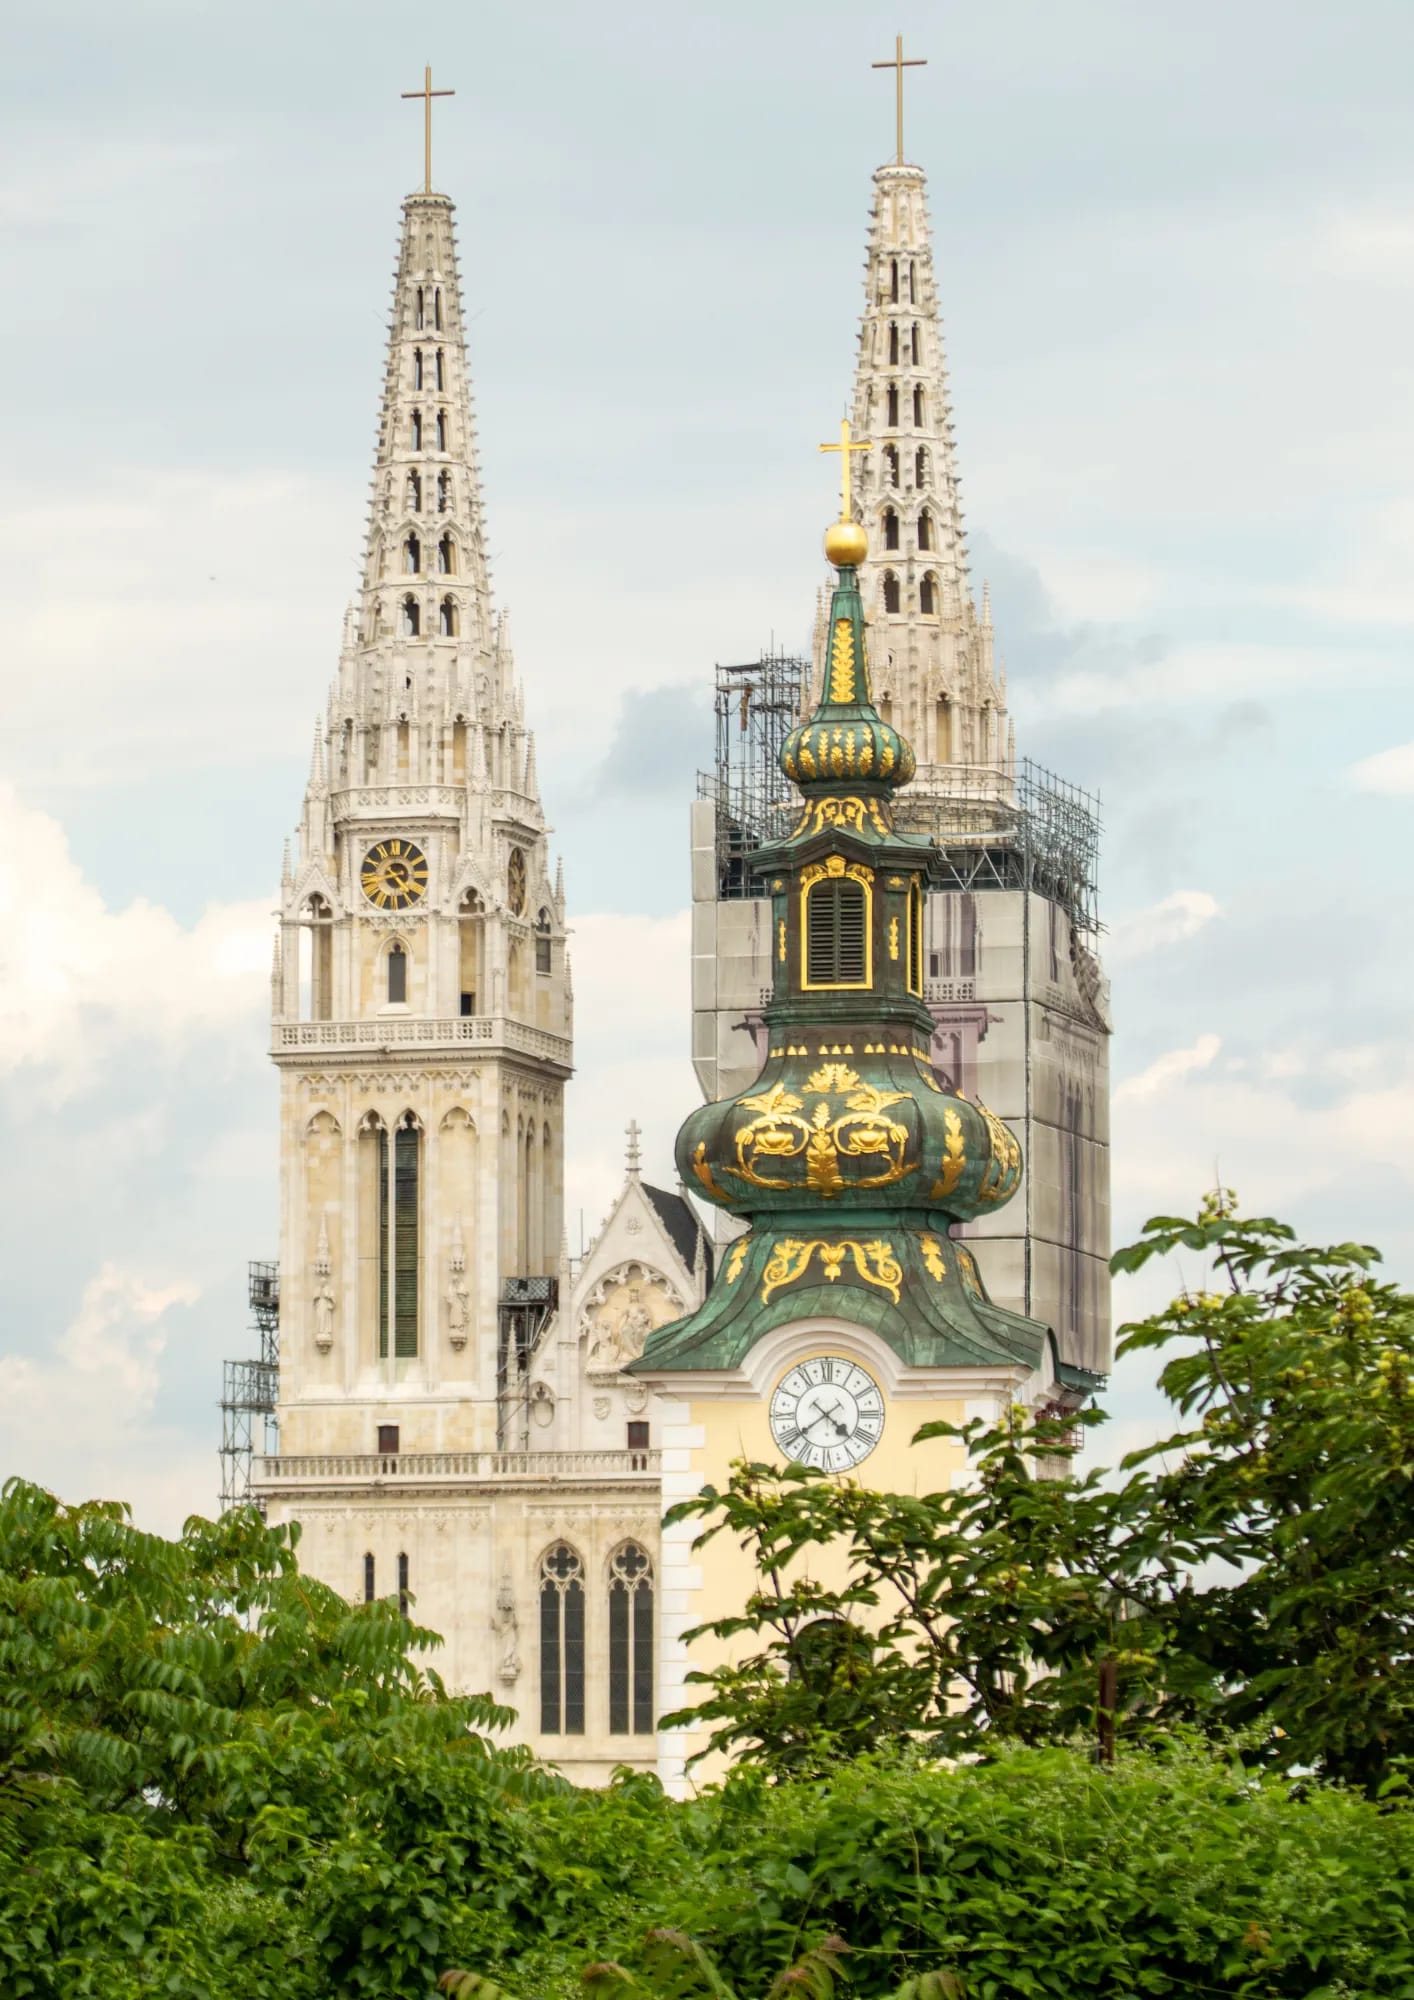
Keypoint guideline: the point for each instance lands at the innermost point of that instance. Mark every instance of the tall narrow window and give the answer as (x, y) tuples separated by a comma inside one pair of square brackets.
[(928, 596), (542, 942), (444, 487), (925, 530), (893, 280), (630, 1643), (419, 309), (891, 591), (893, 341), (412, 556), (368, 1578), (414, 493), (397, 977), (417, 369), (561, 1643), (437, 308), (836, 933), (399, 1216), (441, 430), (915, 939), (920, 467), (892, 417), (441, 370), (911, 296), (447, 556), (917, 346), (409, 619), (447, 618), (403, 1582), (917, 408), (417, 430), (943, 740), (890, 529), (891, 464)]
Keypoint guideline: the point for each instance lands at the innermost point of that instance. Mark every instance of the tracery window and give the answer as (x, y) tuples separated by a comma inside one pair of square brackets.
[(891, 591), (630, 1643), (561, 1642)]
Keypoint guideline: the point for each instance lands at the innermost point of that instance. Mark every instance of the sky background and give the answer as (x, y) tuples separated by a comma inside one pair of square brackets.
[(1175, 247)]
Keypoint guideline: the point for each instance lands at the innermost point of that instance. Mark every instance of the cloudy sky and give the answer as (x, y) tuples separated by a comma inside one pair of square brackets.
[(1176, 250)]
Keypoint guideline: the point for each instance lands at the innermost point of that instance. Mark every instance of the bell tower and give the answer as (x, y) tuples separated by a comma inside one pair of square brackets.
[(421, 999)]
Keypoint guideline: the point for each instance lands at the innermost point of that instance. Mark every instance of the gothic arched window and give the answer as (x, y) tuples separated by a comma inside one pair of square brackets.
[(925, 530), (417, 430), (409, 619), (892, 418), (441, 370), (397, 976), (890, 529), (561, 1642), (417, 369), (542, 942), (917, 346), (630, 1643), (918, 409), (437, 308), (447, 556), (419, 309), (836, 933), (441, 430), (893, 280), (447, 618), (891, 591), (412, 556), (911, 297), (444, 487), (920, 467), (893, 341), (928, 596)]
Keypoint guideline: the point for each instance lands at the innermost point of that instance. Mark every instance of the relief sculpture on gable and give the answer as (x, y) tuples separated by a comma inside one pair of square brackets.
[(626, 1305)]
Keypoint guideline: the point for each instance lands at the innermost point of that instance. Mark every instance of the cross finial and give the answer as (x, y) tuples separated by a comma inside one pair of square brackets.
[(634, 1133), (845, 446), (898, 66), (427, 93)]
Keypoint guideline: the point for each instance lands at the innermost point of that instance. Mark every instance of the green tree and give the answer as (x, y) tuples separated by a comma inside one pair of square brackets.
[(1253, 1572)]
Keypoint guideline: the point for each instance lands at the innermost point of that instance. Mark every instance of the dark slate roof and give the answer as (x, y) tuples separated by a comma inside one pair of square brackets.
[(683, 1225)]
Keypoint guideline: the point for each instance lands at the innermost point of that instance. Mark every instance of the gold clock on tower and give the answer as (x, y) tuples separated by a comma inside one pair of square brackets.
[(394, 874)]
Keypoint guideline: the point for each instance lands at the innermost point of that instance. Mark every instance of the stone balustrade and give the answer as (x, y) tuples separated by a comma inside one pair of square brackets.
[(412, 1032), (439, 1468)]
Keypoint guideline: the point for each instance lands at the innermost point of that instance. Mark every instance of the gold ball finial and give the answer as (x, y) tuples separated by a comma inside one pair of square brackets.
[(846, 544)]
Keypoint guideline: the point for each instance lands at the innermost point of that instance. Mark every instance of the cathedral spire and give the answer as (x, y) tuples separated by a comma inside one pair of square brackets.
[(931, 652)]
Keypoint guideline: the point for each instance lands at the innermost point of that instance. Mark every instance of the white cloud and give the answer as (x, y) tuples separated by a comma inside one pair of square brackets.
[(1390, 771), (1178, 917), (77, 980), (1169, 1068)]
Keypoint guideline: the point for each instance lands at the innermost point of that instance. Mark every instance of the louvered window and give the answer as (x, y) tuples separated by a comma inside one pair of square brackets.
[(836, 916)]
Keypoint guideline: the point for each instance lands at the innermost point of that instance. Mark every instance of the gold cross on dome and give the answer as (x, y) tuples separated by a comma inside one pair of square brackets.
[(898, 66), (845, 446), (427, 93)]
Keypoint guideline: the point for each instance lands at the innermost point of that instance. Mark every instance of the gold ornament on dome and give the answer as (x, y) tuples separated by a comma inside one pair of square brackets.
[(1004, 1167), (824, 1138), (737, 1258), (842, 662), (932, 1251), (701, 1166), (791, 1258), (968, 1270), (954, 1158), (847, 811)]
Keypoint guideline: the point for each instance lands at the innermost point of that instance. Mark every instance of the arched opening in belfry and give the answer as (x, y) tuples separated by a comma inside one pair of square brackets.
[(920, 467), (917, 345), (836, 933), (542, 942), (928, 596), (417, 430), (447, 618), (912, 300), (925, 530), (447, 556), (891, 464), (444, 488), (893, 340), (397, 976), (917, 408), (441, 430), (892, 418), (471, 916), (441, 369), (417, 368), (437, 308), (412, 556), (414, 493), (890, 528), (891, 591), (893, 281), (409, 619)]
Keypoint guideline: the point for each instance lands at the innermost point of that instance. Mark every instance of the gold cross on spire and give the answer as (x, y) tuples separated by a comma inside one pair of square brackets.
[(845, 446), (427, 93), (898, 66)]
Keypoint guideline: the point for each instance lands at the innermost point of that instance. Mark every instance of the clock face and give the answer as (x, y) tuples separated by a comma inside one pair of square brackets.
[(827, 1412), (394, 874)]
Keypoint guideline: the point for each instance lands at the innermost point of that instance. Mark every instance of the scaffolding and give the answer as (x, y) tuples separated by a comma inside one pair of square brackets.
[(250, 1390), (757, 705), (526, 1309)]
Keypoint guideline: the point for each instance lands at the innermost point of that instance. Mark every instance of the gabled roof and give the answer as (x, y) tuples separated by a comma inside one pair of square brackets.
[(683, 1225)]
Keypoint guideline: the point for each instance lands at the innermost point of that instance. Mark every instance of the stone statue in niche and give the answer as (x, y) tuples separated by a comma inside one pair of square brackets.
[(505, 1626), (323, 1301), (457, 1297)]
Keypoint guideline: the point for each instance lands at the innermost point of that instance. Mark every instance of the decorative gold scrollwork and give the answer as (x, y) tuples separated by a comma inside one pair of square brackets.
[(823, 1138), (736, 1258), (842, 661), (971, 1282), (844, 810), (1004, 1167), (790, 1260), (954, 1158), (701, 1166), (933, 1256)]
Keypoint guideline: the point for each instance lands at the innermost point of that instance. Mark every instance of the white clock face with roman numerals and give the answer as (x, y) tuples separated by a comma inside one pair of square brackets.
[(827, 1412)]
